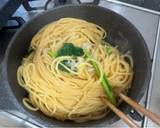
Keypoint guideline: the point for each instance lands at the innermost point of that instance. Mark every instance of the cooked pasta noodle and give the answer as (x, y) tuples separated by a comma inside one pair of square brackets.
[(72, 95)]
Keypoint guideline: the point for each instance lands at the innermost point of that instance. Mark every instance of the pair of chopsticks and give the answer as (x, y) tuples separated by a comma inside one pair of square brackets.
[(136, 106)]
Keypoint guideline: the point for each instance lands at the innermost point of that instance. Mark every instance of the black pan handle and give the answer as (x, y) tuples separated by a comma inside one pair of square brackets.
[(135, 115), (95, 2)]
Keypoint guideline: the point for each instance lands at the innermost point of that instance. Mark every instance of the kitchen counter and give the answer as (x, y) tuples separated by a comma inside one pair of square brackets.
[(153, 98), (151, 4)]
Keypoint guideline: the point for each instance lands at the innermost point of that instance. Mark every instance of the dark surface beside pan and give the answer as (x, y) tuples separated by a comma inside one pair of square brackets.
[(7, 8), (120, 32)]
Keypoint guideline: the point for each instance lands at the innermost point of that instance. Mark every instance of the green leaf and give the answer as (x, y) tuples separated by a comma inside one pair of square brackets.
[(108, 50), (52, 54)]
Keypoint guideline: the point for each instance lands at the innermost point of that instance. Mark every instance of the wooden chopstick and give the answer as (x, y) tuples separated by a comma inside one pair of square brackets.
[(140, 108), (120, 114)]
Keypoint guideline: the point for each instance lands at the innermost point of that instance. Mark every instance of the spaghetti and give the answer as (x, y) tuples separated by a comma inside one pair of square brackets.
[(73, 94)]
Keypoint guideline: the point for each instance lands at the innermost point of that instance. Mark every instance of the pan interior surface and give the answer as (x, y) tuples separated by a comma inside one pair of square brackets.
[(119, 32)]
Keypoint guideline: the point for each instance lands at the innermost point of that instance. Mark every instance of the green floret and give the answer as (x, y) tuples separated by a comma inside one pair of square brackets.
[(68, 49)]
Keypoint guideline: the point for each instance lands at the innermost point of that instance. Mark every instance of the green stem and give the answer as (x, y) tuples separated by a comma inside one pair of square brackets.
[(105, 84), (108, 90)]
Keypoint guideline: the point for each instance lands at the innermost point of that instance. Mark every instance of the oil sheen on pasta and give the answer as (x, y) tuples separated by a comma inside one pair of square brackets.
[(76, 95)]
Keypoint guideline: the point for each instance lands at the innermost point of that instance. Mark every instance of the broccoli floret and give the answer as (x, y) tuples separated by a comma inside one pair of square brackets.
[(68, 49)]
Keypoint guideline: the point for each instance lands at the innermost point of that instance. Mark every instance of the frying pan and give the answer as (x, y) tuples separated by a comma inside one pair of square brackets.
[(120, 32)]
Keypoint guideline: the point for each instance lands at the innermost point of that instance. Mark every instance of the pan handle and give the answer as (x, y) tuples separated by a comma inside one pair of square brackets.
[(135, 115), (95, 2)]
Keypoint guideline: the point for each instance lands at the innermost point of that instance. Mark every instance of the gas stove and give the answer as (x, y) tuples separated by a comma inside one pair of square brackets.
[(146, 21)]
